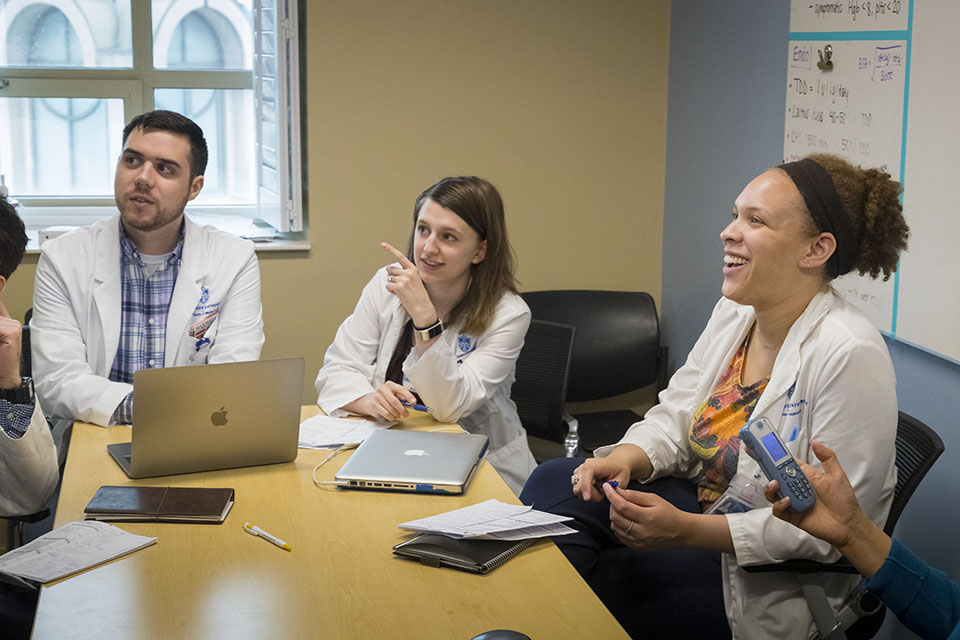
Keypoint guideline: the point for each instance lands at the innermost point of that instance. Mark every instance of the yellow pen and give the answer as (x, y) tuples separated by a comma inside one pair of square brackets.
[(254, 530)]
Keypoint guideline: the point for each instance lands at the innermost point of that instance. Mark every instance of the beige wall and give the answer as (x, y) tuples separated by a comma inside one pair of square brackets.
[(562, 105)]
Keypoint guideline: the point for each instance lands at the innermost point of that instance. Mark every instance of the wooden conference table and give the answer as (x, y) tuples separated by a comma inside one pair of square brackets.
[(339, 581)]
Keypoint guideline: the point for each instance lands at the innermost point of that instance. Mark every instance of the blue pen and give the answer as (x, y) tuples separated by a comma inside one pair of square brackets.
[(417, 407), (201, 342), (598, 485)]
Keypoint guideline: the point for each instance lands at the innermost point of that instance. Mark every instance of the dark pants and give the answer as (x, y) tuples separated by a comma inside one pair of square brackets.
[(663, 593), (17, 607)]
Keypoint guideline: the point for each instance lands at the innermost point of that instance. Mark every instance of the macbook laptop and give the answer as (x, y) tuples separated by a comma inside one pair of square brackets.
[(214, 416), (420, 461)]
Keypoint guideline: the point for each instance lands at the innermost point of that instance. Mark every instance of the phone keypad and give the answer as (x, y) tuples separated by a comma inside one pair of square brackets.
[(798, 485)]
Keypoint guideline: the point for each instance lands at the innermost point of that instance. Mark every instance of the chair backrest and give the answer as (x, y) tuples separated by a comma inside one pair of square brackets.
[(617, 349), (541, 379), (26, 361), (918, 447), (26, 357)]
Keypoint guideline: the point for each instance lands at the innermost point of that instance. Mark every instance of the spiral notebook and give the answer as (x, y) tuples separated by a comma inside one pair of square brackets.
[(475, 556)]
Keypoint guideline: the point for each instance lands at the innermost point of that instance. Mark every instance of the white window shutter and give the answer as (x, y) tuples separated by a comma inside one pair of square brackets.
[(276, 83)]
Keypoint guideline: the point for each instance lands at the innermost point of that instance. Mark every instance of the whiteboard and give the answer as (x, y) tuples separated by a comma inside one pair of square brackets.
[(929, 299), (889, 101), (855, 110), (849, 15)]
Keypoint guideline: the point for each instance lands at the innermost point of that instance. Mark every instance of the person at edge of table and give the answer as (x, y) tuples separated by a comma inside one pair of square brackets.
[(145, 288), (924, 599), (443, 325), (28, 457), (781, 343)]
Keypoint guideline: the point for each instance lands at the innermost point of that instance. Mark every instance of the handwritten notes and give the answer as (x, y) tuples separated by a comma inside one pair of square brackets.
[(845, 96)]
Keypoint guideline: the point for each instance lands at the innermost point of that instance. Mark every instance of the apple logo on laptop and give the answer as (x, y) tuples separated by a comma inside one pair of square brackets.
[(218, 418), (415, 452)]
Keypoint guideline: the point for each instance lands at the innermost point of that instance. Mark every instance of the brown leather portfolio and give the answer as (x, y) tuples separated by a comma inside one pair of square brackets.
[(160, 504)]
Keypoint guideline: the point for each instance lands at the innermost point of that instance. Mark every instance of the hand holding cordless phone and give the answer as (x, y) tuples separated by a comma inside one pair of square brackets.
[(765, 446)]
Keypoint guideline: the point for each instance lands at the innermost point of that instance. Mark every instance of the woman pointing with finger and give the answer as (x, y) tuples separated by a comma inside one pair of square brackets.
[(441, 326)]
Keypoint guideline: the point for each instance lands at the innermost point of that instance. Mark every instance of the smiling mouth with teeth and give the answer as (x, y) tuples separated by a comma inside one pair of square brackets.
[(733, 261)]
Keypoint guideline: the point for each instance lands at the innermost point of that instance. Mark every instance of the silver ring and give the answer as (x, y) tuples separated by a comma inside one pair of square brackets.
[(390, 278), (574, 479), (627, 530)]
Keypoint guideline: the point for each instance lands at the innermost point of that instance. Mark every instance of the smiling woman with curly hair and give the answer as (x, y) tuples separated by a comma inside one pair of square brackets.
[(781, 343)]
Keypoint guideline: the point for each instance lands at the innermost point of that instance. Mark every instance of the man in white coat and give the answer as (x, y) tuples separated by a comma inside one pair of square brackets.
[(145, 288), (28, 458)]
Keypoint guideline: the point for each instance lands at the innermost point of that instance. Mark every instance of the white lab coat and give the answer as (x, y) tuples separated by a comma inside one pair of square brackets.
[(75, 330), (28, 468), (464, 379), (832, 382)]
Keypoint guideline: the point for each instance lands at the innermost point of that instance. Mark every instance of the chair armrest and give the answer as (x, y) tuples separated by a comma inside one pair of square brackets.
[(801, 565), (30, 517)]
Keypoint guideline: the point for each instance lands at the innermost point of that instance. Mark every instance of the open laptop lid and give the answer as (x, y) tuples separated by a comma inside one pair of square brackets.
[(214, 416), (419, 461)]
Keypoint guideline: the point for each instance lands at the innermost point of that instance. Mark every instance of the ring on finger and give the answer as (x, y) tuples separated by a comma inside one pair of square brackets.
[(627, 530), (391, 279), (574, 479)]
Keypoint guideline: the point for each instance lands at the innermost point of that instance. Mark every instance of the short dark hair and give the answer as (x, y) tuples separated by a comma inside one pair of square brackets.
[(173, 122), (13, 238), (479, 204)]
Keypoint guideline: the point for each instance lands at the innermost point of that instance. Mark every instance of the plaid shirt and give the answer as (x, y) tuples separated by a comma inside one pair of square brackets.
[(15, 418), (143, 316)]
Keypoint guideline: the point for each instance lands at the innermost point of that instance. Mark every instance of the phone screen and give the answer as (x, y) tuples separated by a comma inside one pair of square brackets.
[(772, 444)]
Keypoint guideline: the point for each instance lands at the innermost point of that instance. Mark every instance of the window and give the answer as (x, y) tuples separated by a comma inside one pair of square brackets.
[(73, 72)]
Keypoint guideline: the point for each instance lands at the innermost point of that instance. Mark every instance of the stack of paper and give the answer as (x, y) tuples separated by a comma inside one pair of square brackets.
[(71, 548), (324, 432), (493, 520)]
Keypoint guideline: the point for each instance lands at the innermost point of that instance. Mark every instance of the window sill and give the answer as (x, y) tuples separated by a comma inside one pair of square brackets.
[(264, 237)]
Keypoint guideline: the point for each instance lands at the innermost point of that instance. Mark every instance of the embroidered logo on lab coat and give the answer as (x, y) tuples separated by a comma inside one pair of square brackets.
[(793, 408), (205, 308), (465, 346)]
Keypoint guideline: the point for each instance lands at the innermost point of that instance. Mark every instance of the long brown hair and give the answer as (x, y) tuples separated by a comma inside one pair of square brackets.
[(478, 203)]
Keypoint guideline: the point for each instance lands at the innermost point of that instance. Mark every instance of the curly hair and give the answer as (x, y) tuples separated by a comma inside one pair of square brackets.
[(871, 200)]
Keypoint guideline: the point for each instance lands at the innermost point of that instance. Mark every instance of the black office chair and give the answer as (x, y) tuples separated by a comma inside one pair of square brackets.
[(540, 388), (26, 358), (918, 447), (617, 350)]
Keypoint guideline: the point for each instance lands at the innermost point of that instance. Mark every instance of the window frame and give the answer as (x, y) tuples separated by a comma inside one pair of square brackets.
[(136, 85)]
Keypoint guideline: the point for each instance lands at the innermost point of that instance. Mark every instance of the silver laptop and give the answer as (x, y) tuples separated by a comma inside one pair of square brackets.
[(214, 416), (420, 461)]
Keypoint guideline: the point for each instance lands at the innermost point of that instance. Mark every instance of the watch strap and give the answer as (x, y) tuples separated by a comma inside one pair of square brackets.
[(19, 395), (429, 333)]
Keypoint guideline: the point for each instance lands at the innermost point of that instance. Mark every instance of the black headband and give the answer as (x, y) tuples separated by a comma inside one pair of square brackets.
[(820, 194)]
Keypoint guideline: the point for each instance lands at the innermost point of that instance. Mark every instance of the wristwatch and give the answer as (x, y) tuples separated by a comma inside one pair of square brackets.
[(19, 395), (429, 333)]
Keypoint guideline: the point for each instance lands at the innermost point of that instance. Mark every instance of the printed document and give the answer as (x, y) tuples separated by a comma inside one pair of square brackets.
[(493, 520), (71, 548), (324, 432)]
